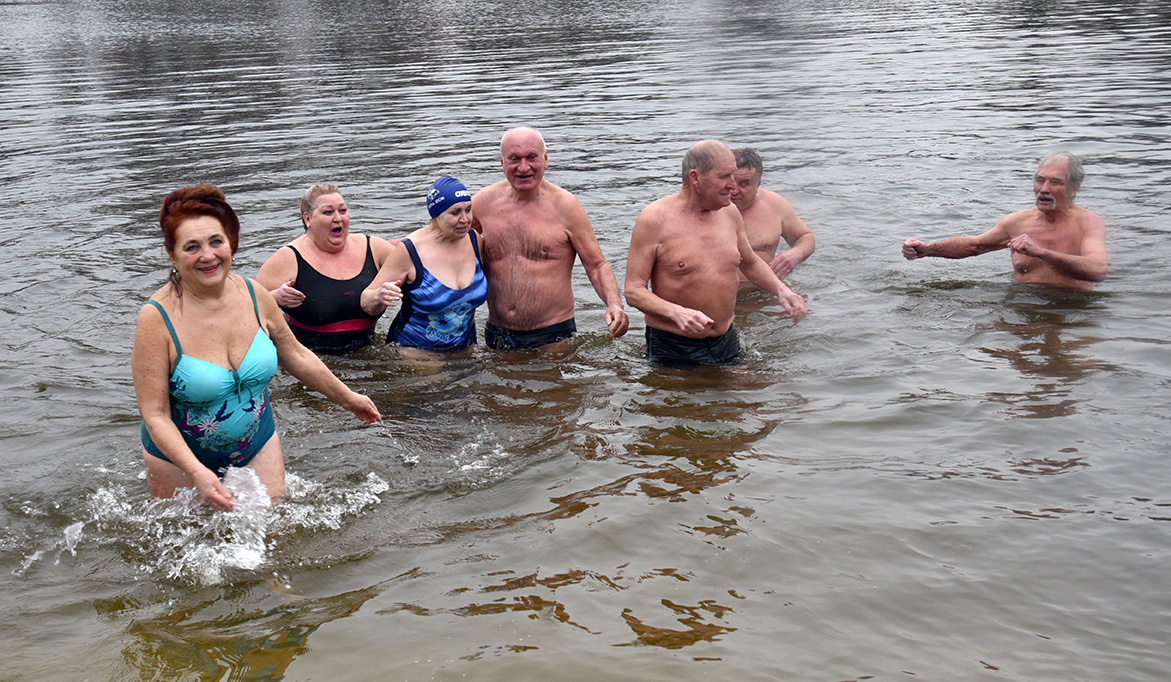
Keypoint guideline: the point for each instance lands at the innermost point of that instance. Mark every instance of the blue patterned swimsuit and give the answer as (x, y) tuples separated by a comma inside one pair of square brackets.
[(434, 315), (223, 414)]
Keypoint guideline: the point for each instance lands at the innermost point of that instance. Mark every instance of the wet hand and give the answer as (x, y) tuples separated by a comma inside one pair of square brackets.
[(364, 408), (288, 297), (390, 293), (1024, 244), (913, 248), (794, 304), (693, 321), (212, 490), (618, 321), (784, 263)]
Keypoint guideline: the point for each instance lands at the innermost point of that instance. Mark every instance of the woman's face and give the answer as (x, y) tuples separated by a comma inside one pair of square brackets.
[(456, 220), (202, 253), (329, 223)]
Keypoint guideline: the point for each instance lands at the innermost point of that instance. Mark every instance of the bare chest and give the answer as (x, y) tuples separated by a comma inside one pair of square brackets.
[(531, 235)]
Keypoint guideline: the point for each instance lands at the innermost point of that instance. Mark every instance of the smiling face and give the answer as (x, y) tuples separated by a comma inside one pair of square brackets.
[(202, 253), (747, 185), (455, 222), (1052, 188), (328, 225), (524, 159), (714, 187)]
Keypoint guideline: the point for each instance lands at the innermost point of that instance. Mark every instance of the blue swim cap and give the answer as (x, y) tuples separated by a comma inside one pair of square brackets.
[(445, 193)]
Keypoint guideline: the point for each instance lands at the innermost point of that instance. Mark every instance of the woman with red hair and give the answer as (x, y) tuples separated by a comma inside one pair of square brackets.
[(207, 345)]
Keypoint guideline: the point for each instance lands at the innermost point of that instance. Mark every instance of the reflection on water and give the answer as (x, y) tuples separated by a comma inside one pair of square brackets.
[(213, 642), (1052, 328)]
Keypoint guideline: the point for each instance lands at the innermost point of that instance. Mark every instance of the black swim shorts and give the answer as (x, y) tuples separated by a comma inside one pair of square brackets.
[(666, 348), (500, 338)]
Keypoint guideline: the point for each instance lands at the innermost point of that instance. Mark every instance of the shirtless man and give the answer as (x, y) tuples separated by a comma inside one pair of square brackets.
[(768, 218), (689, 247), (533, 231), (1055, 243)]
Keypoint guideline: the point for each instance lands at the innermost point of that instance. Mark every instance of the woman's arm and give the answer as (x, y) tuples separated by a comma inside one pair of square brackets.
[(306, 366)]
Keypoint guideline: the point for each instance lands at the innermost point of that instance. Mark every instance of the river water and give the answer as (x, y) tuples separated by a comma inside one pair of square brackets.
[(938, 475)]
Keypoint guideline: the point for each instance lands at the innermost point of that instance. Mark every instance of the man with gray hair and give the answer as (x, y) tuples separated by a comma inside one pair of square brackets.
[(769, 218), (1054, 243), (686, 253)]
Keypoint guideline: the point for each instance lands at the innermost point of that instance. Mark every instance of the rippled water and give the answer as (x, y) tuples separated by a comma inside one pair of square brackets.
[(938, 474)]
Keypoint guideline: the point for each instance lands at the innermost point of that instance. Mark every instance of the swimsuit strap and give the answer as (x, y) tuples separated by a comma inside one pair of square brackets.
[(174, 336), (475, 244), (419, 269), (255, 309)]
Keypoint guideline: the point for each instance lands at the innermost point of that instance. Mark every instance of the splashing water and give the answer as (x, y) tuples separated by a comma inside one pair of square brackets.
[(234, 539), (183, 539)]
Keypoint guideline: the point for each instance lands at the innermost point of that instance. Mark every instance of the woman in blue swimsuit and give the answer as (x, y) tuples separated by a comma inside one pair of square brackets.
[(207, 345), (436, 272)]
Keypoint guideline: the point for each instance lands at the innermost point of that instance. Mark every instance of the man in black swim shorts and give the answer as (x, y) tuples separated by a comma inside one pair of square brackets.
[(687, 252), (533, 232)]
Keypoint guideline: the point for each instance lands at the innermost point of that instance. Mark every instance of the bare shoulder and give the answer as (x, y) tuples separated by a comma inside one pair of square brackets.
[(283, 256), (559, 194), (1089, 219), (773, 200), (270, 312), (567, 206), (280, 267), (731, 215), (657, 212), (149, 315), (489, 194), (1018, 221)]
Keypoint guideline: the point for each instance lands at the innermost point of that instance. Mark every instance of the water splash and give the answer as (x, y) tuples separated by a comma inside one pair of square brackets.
[(215, 544), (184, 540)]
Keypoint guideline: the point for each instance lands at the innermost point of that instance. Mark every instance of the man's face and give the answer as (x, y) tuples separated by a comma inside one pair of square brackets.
[(524, 159), (1051, 186), (747, 184), (714, 188)]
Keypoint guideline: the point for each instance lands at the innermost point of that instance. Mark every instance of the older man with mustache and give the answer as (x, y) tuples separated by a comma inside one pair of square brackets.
[(1054, 243)]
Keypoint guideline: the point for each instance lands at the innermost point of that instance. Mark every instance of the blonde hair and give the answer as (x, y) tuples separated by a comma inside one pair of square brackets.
[(309, 198)]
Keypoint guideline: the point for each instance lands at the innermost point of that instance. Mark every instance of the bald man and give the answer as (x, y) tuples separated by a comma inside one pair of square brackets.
[(533, 232)]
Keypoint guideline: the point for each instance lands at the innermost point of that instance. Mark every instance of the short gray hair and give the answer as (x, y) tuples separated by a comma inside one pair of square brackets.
[(1074, 174), (702, 157)]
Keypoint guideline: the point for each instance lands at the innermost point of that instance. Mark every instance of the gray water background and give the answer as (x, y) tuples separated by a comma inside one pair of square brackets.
[(937, 475)]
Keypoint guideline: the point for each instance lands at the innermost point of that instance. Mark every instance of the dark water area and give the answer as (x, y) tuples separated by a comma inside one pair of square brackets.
[(938, 474)]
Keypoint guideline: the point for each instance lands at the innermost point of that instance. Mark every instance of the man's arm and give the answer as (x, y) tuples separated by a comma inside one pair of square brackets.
[(961, 247), (797, 235), (759, 273), (640, 263), (601, 275), (1090, 265)]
